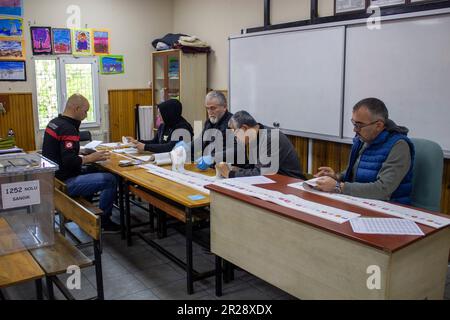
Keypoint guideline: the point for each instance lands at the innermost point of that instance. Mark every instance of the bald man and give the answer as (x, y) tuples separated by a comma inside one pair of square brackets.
[(62, 145)]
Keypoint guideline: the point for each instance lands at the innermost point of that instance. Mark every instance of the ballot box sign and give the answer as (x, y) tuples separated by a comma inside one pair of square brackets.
[(20, 194)]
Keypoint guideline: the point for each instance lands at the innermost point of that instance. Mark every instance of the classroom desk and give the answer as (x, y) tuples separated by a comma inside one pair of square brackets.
[(171, 198), (17, 267), (313, 258)]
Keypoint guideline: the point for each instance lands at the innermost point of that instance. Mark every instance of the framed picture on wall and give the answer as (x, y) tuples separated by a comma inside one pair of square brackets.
[(41, 40), (346, 6), (386, 3), (62, 41), (13, 71)]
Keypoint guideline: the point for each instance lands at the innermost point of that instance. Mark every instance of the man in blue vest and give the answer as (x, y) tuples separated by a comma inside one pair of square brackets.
[(381, 159)]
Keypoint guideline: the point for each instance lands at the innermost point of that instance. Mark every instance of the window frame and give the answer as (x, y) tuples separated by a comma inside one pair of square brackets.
[(61, 88)]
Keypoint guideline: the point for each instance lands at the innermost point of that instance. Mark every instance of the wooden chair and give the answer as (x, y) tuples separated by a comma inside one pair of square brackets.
[(56, 259)]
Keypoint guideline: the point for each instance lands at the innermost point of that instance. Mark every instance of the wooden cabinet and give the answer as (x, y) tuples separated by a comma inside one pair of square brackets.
[(177, 75)]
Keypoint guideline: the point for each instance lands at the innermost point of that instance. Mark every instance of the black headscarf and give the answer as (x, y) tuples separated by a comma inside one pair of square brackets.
[(171, 112)]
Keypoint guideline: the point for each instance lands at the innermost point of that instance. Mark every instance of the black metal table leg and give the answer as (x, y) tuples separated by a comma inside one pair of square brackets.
[(50, 292), (39, 294), (128, 214), (121, 209), (189, 266), (151, 217), (218, 276)]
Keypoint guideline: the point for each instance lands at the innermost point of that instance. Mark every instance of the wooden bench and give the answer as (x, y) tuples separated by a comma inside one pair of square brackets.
[(56, 259), (18, 267)]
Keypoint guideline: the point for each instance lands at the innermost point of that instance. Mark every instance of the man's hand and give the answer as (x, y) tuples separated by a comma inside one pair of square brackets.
[(96, 157), (131, 140), (326, 172), (223, 169), (326, 184), (140, 146)]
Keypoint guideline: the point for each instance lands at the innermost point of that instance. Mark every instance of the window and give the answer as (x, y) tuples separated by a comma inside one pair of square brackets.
[(57, 79)]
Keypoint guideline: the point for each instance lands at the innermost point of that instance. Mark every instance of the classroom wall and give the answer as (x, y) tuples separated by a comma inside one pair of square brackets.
[(215, 20), (133, 25)]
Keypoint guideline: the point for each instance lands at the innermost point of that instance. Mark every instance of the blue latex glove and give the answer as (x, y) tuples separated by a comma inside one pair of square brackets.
[(204, 163), (182, 144)]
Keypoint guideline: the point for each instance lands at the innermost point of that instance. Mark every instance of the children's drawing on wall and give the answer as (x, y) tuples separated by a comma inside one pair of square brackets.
[(11, 27), (101, 42), (41, 42), (112, 65), (62, 41), (11, 7), (11, 49), (82, 41), (12, 71)]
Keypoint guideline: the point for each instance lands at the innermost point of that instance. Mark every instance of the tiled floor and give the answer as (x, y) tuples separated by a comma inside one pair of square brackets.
[(142, 273)]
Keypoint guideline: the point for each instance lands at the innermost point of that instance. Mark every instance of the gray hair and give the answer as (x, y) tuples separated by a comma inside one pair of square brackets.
[(376, 107), (242, 118), (219, 96)]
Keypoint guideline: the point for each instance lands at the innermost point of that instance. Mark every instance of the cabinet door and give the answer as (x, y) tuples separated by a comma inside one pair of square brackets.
[(166, 76)]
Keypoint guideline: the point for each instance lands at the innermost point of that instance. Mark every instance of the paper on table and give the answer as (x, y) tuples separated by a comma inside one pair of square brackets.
[(126, 151), (110, 145), (289, 201), (312, 182), (386, 226), (254, 180), (143, 158), (428, 219), (93, 144)]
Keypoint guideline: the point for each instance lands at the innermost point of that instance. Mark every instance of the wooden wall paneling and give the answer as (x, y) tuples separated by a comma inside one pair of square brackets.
[(301, 147), (122, 104), (326, 154), (19, 117)]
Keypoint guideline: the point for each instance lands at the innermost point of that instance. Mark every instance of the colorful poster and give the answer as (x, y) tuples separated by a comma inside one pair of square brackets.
[(11, 27), (11, 7), (101, 42), (41, 40), (112, 65), (82, 41), (62, 41), (12, 49), (13, 71)]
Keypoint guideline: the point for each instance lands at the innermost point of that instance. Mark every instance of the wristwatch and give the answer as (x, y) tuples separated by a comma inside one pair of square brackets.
[(338, 189)]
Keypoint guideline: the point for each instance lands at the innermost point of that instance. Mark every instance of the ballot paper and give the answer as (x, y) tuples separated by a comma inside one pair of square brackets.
[(190, 179), (126, 151), (93, 144), (290, 201), (312, 182), (144, 158), (387, 226), (254, 180), (428, 219), (110, 145)]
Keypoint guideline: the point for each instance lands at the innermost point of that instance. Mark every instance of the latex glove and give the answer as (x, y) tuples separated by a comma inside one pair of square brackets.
[(182, 144), (204, 163)]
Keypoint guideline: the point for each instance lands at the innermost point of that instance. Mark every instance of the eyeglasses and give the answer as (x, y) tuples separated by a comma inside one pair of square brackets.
[(358, 126)]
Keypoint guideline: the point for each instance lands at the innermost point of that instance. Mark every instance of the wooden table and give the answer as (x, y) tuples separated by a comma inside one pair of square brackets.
[(166, 195), (17, 267), (313, 258), (173, 199)]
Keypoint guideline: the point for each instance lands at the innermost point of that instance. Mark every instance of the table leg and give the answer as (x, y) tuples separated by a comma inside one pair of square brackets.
[(39, 294), (121, 209), (218, 276), (189, 262), (128, 215)]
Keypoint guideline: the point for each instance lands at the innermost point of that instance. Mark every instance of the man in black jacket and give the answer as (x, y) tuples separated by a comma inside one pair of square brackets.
[(215, 128), (62, 145), (173, 129), (267, 151)]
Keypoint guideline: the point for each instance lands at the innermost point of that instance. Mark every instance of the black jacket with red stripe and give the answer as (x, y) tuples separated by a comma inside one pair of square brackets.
[(62, 145)]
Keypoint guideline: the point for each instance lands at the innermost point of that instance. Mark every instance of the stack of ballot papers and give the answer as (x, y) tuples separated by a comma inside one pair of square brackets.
[(386, 226)]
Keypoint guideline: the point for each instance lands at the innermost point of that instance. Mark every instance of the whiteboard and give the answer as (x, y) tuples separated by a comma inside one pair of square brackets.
[(291, 78), (407, 65)]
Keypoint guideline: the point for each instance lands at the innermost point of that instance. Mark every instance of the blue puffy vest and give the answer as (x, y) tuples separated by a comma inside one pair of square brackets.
[(372, 160)]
